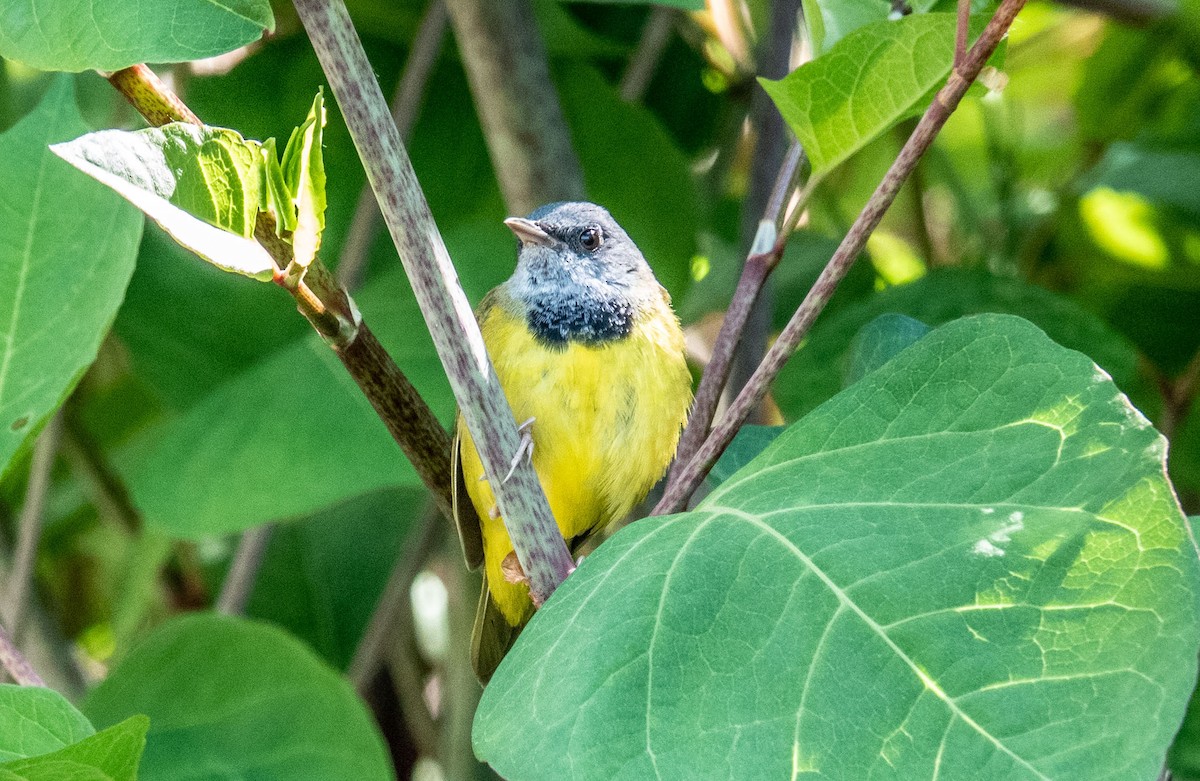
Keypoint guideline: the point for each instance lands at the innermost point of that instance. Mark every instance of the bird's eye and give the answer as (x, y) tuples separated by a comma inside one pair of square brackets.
[(591, 238)]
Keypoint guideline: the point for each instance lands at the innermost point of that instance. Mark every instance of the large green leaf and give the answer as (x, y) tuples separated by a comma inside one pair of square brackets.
[(78, 35), (202, 185), (110, 755), (815, 373), (873, 78), (1163, 175), (970, 564), (321, 577), (229, 698), (634, 169), (34, 721), (287, 437), (67, 249)]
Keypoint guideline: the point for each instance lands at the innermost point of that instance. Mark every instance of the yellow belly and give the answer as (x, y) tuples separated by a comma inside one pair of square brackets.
[(606, 423)]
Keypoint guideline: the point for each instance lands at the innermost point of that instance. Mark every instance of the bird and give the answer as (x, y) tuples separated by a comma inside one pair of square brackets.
[(591, 358)]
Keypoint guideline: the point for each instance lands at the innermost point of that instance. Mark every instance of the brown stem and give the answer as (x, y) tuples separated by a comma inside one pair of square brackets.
[(15, 664), (243, 570), (29, 523), (1178, 396), (789, 339), (759, 264), (523, 124), (656, 34), (427, 45), (540, 547), (770, 149), (330, 311), (961, 31)]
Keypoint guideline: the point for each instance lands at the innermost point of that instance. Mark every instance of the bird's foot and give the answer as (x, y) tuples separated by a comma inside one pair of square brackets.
[(512, 569), (524, 450)]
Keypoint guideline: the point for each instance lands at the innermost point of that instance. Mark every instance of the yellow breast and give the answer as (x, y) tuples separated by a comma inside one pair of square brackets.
[(606, 423)]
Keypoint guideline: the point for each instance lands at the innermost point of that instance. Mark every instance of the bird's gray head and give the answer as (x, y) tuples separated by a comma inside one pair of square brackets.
[(579, 276)]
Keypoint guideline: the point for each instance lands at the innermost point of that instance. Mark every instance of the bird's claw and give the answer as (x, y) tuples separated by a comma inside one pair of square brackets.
[(524, 450)]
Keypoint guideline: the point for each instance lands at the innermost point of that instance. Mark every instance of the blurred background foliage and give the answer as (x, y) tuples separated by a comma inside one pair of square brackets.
[(1071, 197)]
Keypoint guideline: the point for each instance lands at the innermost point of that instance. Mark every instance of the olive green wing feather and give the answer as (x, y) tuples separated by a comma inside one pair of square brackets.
[(470, 533)]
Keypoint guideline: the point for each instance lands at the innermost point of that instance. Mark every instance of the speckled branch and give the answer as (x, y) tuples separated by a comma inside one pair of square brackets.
[(518, 106), (539, 546), (822, 290)]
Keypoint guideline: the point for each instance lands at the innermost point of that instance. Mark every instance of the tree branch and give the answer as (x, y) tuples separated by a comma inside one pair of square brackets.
[(539, 545), (29, 524), (239, 581), (331, 312), (523, 123), (656, 34), (15, 664), (764, 256), (789, 339), (427, 45)]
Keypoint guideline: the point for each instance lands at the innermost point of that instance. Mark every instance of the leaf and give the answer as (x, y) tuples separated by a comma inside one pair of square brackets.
[(229, 698), (746, 445), (879, 341), (67, 249), (687, 5), (634, 169), (304, 172), (831, 20), (870, 80), (289, 436), (1165, 176), (956, 568), (34, 721), (107, 35), (200, 184), (110, 755), (322, 576), (814, 373)]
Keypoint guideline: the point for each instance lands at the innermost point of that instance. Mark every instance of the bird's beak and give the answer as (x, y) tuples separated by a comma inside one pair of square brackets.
[(528, 231)]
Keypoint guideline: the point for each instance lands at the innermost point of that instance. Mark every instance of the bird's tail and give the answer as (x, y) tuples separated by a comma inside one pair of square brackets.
[(492, 636)]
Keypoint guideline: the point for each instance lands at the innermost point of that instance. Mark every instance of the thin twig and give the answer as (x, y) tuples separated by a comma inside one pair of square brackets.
[(789, 339), (390, 638), (331, 312), (764, 255), (243, 570), (406, 103), (961, 31), (1178, 396), (15, 663), (655, 35), (523, 124), (393, 607), (103, 486), (29, 524), (540, 547), (770, 148)]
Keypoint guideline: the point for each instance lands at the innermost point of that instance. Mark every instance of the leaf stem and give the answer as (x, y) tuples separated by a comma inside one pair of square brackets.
[(961, 31), (935, 117), (29, 523), (540, 547), (15, 663), (523, 124), (153, 99)]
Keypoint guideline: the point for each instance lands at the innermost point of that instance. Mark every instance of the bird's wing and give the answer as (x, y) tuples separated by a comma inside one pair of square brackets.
[(470, 533)]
